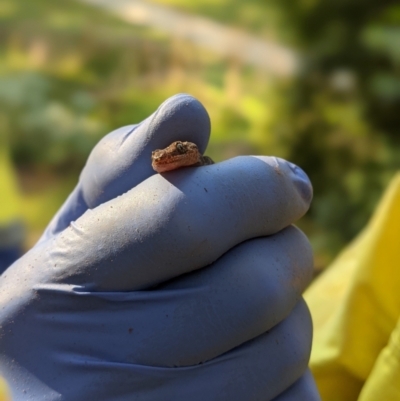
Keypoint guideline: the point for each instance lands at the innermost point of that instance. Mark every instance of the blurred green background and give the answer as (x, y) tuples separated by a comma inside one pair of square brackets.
[(70, 72)]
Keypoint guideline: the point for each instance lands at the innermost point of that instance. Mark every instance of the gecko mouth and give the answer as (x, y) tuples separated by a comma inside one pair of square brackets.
[(161, 164)]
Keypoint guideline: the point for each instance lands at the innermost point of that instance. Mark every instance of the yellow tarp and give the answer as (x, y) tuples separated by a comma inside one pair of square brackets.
[(355, 306), (4, 394), (9, 195)]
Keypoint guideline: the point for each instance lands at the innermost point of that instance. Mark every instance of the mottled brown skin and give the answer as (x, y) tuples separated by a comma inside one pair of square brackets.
[(178, 154)]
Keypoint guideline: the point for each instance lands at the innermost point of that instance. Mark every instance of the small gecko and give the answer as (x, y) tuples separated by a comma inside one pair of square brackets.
[(178, 154)]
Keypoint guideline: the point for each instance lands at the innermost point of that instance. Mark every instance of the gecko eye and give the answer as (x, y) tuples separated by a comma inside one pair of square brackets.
[(180, 148)]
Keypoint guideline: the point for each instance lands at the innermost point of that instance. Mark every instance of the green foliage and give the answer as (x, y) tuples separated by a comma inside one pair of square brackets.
[(70, 73)]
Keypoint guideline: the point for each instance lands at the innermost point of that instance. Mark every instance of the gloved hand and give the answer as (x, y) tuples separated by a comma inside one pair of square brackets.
[(180, 286)]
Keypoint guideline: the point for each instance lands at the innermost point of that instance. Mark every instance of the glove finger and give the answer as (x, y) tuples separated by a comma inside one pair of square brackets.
[(303, 390), (245, 293), (122, 159), (201, 315), (179, 222), (258, 370)]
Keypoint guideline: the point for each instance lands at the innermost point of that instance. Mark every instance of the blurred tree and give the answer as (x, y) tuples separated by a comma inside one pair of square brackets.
[(344, 108)]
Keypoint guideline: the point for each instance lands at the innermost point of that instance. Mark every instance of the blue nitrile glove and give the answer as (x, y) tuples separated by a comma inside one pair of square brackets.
[(165, 287)]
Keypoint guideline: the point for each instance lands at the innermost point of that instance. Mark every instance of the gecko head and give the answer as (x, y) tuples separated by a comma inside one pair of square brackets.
[(178, 154)]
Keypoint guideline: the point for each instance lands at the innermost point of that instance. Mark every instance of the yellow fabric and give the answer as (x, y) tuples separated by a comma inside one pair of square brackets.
[(9, 196), (4, 393), (355, 306)]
